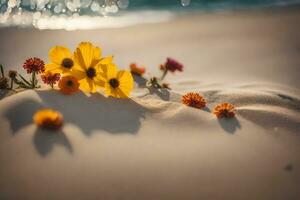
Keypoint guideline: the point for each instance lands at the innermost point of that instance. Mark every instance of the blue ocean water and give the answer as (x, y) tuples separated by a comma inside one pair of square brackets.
[(91, 7), (75, 14), (208, 4)]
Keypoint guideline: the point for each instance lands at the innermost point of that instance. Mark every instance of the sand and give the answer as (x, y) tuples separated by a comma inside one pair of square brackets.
[(151, 146)]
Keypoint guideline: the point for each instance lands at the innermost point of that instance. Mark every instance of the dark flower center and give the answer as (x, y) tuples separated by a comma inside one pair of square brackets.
[(225, 113), (69, 83), (67, 63), (114, 83), (91, 72)]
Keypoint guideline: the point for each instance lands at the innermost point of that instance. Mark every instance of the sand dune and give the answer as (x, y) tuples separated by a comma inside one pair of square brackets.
[(158, 145)]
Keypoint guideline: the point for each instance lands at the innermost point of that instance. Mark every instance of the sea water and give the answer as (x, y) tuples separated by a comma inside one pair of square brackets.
[(89, 14)]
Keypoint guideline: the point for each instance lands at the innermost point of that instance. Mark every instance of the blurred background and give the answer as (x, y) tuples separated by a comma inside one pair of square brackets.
[(67, 14)]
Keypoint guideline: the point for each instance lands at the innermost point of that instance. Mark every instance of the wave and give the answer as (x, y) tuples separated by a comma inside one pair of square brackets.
[(88, 14)]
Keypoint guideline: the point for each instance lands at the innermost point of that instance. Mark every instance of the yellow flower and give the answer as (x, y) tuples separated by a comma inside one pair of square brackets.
[(88, 70), (62, 60), (48, 119), (117, 83)]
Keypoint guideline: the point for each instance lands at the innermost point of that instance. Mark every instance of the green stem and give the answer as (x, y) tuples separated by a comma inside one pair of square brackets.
[(51, 84), (24, 80), (164, 74), (2, 71), (11, 83), (33, 80)]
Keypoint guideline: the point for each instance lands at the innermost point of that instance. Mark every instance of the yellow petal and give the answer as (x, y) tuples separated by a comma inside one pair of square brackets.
[(86, 55), (84, 86), (79, 74), (87, 85), (53, 68), (108, 89), (99, 81), (109, 71), (58, 53), (126, 81), (114, 92), (93, 87), (122, 94), (106, 60)]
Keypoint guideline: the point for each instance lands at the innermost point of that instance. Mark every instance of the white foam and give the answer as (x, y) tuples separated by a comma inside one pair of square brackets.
[(77, 22)]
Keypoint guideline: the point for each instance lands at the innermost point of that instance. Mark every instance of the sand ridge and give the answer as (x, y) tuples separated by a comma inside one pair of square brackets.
[(97, 128)]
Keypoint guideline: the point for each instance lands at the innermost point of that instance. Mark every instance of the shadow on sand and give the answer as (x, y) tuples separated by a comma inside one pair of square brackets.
[(96, 112), (115, 116), (44, 141), (272, 120), (20, 114), (230, 125), (141, 81), (162, 93)]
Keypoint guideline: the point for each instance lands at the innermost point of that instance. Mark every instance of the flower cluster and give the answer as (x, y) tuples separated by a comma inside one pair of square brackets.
[(32, 66), (222, 110), (87, 70), (171, 65)]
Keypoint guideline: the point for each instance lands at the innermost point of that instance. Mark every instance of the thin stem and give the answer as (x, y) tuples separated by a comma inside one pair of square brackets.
[(51, 84), (2, 71), (11, 83), (33, 80), (164, 74), (24, 80)]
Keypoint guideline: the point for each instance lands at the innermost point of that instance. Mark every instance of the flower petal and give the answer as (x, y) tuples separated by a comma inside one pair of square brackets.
[(84, 85), (108, 89), (58, 53), (106, 60), (109, 71), (86, 55), (52, 67), (79, 74), (126, 81), (87, 85), (99, 81), (92, 86)]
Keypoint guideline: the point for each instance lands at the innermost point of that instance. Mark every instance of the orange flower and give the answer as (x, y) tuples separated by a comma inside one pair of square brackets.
[(68, 85), (48, 119), (134, 69), (193, 99), (224, 110)]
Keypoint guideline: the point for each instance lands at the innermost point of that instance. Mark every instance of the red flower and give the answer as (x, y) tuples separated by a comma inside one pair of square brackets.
[(172, 65), (49, 78), (34, 65)]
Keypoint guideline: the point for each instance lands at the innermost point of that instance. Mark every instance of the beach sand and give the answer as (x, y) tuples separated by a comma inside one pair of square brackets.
[(151, 146)]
